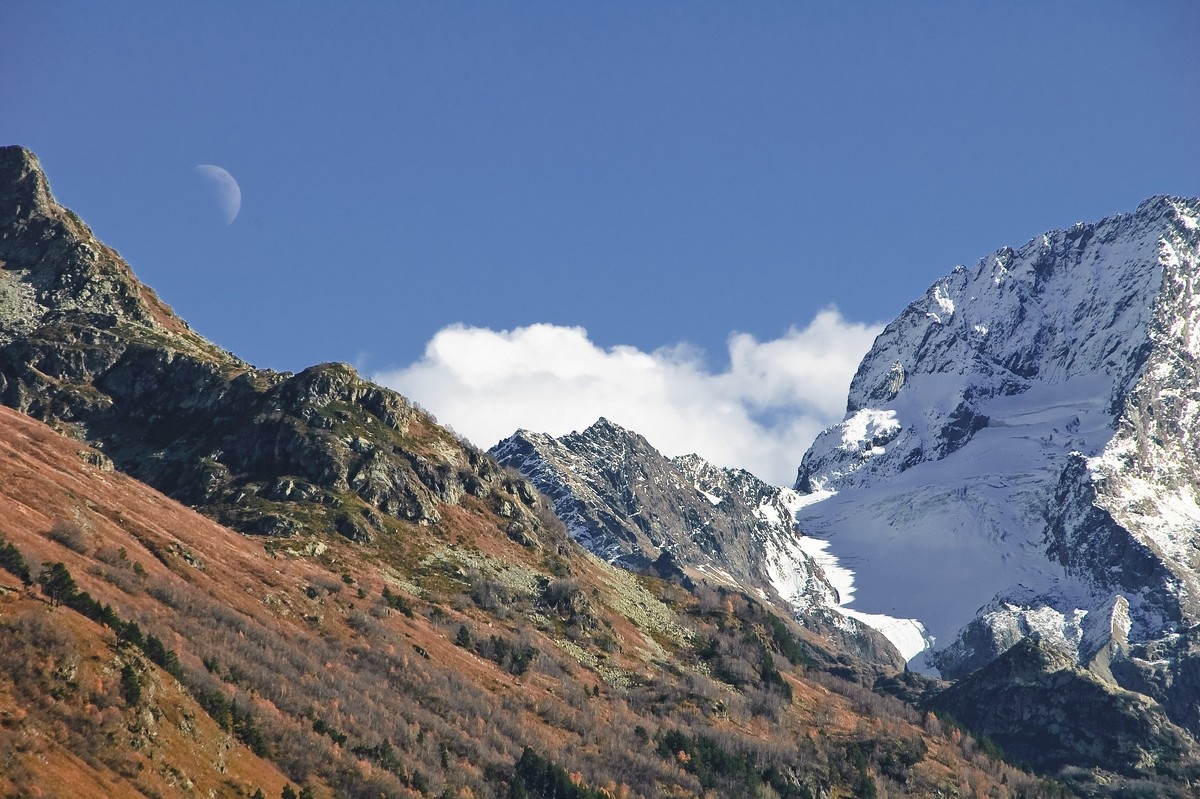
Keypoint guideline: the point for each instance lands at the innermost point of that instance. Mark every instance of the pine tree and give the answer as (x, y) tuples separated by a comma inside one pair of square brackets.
[(131, 685), (57, 583), (13, 561)]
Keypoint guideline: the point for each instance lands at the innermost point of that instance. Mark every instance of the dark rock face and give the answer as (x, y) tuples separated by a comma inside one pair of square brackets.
[(609, 520), (1168, 670), (1085, 538), (85, 347), (683, 519), (629, 504), (1044, 710)]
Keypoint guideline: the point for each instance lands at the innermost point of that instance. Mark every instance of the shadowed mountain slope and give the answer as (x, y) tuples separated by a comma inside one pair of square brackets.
[(88, 349)]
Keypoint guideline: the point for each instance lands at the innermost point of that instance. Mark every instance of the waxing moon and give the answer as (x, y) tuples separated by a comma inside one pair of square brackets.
[(224, 188)]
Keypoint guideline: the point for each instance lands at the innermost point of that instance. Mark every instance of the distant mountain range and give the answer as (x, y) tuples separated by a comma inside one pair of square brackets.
[(228, 581)]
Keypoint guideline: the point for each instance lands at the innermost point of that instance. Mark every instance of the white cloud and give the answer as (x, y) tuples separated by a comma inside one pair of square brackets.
[(760, 414)]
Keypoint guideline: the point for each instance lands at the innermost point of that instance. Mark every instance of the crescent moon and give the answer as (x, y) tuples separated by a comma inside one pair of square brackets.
[(224, 188)]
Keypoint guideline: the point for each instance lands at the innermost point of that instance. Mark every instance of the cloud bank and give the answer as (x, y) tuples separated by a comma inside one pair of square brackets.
[(759, 414)]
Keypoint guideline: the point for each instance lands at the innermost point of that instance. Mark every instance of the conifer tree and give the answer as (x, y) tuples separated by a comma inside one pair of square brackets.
[(57, 583)]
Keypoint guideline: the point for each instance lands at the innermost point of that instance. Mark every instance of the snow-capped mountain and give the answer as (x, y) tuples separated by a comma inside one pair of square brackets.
[(1019, 455), (635, 507)]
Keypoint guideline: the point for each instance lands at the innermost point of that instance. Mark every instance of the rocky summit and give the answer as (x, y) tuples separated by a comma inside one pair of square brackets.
[(85, 347)]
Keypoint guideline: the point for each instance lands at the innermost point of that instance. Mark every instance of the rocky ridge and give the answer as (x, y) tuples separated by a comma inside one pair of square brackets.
[(633, 506), (85, 347)]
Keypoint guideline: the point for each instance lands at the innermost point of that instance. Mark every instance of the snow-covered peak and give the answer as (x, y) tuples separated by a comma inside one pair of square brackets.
[(1023, 443), (1069, 304)]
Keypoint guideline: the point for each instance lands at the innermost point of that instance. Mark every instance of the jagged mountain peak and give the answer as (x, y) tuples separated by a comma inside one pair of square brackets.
[(601, 433), (603, 425), (52, 268), (1070, 305), (611, 469), (629, 504), (605, 431)]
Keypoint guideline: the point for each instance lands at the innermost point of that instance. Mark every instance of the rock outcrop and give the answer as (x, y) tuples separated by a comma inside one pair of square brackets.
[(1042, 709)]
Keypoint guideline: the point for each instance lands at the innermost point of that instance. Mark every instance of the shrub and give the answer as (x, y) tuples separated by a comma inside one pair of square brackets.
[(321, 728), (363, 624), (159, 654), (71, 536), (517, 658), (491, 595), (540, 778), (131, 685), (711, 762), (246, 730), (326, 583)]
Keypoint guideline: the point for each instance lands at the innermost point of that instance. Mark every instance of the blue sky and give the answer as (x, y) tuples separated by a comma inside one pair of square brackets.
[(661, 175)]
